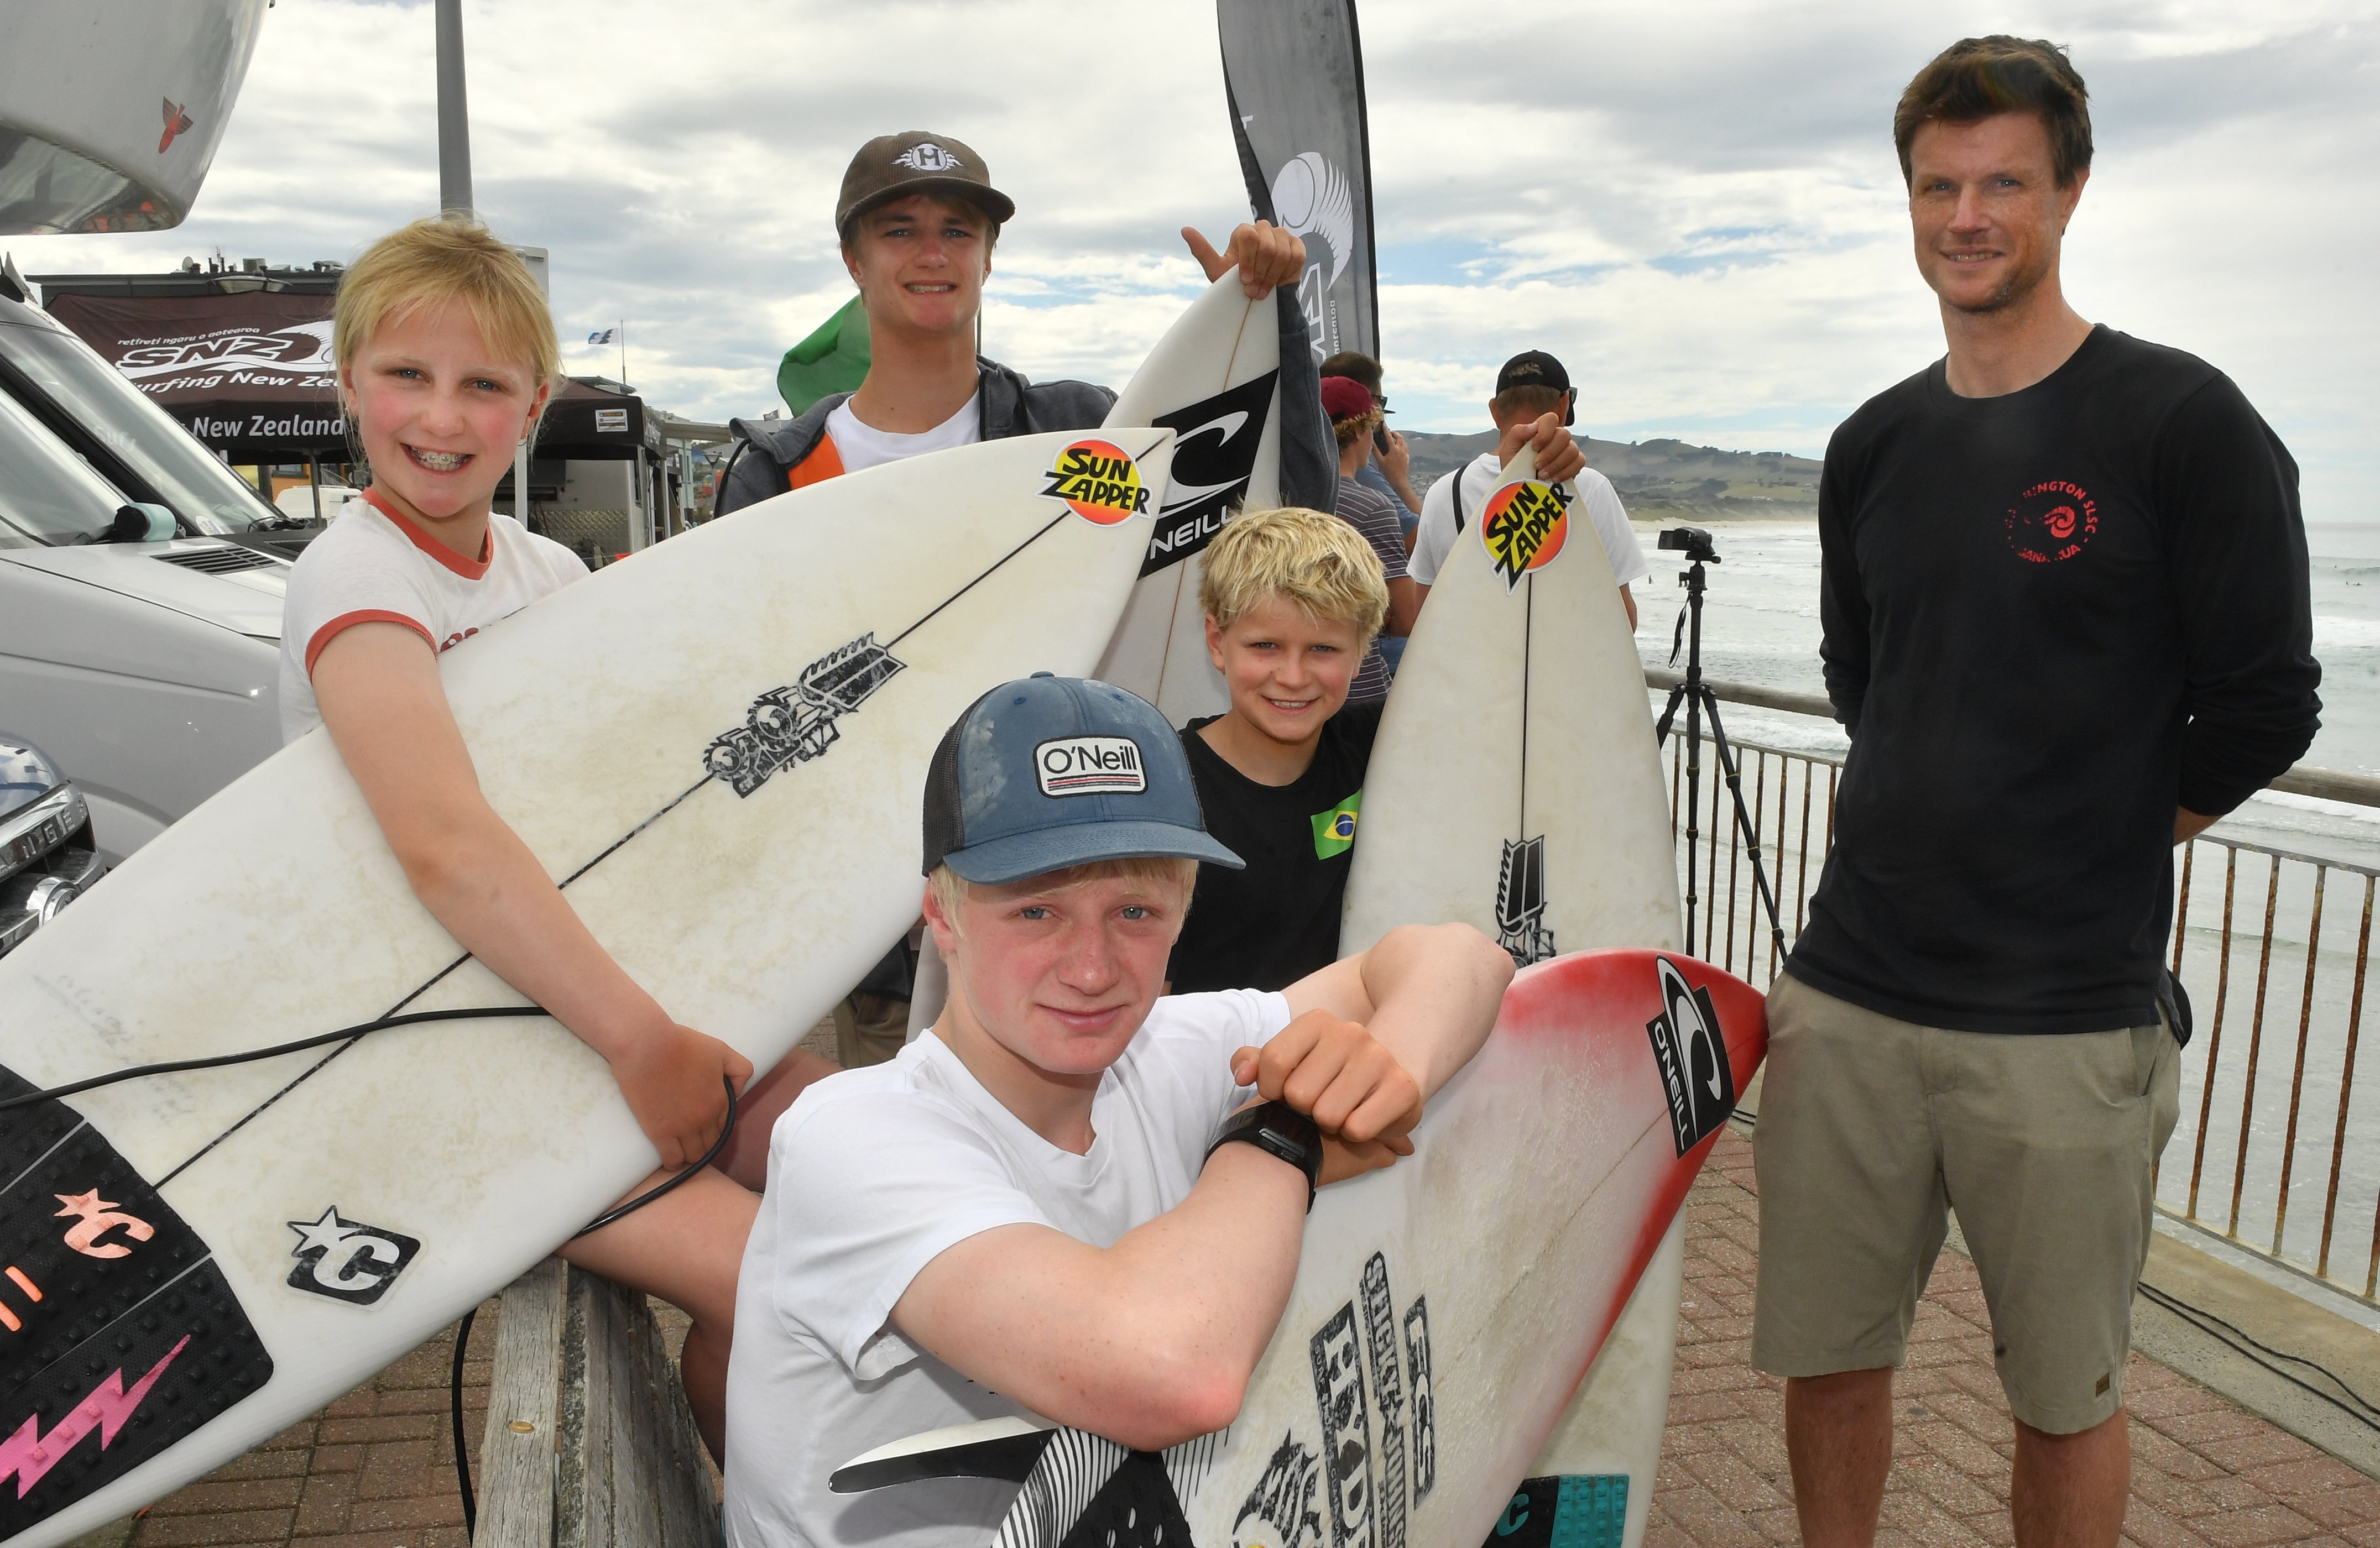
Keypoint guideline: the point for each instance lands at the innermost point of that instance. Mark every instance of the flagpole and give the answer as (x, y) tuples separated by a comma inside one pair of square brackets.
[(624, 352)]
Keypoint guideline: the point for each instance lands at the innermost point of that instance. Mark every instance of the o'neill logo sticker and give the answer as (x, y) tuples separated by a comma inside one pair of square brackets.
[(2052, 522), (346, 1259), (1098, 483), (928, 157), (1692, 1055), (1524, 528), (1089, 766)]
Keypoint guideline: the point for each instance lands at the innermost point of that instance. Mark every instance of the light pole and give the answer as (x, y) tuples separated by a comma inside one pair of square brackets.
[(453, 116)]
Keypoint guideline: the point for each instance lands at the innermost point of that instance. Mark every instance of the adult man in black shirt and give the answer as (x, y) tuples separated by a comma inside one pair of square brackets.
[(2065, 622)]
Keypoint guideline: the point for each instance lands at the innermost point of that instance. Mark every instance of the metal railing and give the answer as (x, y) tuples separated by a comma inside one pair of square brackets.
[(2273, 1153)]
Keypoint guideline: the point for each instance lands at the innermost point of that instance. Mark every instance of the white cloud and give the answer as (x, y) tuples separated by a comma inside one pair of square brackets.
[(1696, 205)]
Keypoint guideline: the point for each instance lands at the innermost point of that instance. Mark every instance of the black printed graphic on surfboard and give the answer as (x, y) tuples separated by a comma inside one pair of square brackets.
[(1280, 1511), (1214, 456), (1388, 1391), (796, 723), (347, 1260), (117, 1338), (1692, 1054), (1521, 901), (1346, 1433), (1577, 1510), (1425, 1400)]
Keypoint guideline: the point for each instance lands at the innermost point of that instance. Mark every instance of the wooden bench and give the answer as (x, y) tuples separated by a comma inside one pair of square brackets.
[(590, 1442)]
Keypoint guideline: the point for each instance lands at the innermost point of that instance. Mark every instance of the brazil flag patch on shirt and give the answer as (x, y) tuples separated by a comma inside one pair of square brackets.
[(1334, 831)]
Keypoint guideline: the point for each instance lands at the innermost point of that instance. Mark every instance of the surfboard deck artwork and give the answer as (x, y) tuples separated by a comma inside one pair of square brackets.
[(1214, 380), (1444, 1309), (717, 747), (1514, 786)]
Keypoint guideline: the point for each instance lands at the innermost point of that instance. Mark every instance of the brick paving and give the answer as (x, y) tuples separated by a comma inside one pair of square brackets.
[(375, 1469), (2206, 1473)]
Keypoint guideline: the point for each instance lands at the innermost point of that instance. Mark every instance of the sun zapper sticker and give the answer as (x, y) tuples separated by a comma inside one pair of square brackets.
[(1524, 526), (1098, 483)]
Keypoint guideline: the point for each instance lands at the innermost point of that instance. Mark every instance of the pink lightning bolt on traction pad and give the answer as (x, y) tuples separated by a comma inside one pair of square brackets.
[(1445, 1310)]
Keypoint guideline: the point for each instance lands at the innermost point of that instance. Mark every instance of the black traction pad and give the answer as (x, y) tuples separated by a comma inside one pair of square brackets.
[(117, 1335)]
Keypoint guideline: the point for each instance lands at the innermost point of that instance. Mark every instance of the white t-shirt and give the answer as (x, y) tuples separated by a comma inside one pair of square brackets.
[(1435, 539), (373, 566), (874, 1172), (859, 445)]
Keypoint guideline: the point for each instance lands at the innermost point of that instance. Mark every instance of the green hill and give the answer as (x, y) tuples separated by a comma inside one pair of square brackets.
[(1658, 479)]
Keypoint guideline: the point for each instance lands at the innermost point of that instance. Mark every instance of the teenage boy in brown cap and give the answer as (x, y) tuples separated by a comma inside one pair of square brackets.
[(919, 217)]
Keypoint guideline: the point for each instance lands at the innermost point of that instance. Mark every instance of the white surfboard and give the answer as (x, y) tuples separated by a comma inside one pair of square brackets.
[(1443, 1309), (717, 747), (1515, 787), (1214, 379)]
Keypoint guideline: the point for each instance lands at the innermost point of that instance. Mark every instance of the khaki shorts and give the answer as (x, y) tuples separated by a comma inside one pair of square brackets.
[(1870, 1128)]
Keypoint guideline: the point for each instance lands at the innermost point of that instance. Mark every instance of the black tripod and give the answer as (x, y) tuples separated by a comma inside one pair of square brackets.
[(1700, 700)]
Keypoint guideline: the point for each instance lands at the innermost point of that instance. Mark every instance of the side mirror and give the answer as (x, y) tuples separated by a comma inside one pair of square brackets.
[(140, 522)]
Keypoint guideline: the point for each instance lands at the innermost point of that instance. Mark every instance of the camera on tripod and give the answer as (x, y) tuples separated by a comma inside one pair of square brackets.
[(1694, 542)]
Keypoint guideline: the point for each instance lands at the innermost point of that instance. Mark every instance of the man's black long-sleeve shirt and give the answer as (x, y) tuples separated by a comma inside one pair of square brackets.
[(2050, 618)]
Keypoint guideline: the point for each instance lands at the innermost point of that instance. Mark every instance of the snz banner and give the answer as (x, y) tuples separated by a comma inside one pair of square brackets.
[(1294, 78)]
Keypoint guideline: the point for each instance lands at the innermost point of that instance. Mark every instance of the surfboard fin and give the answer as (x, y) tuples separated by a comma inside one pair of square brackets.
[(1005, 1448)]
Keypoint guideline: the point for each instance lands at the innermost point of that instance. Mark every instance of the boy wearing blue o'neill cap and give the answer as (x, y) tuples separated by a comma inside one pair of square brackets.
[(1038, 1207)]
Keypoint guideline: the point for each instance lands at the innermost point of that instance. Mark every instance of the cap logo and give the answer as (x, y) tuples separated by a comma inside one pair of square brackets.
[(1098, 483), (927, 157), (1089, 766)]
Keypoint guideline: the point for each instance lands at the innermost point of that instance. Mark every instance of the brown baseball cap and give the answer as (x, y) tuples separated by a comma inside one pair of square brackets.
[(915, 161)]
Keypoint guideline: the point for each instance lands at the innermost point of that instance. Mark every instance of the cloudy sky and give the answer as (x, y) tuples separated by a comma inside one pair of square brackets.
[(1696, 204)]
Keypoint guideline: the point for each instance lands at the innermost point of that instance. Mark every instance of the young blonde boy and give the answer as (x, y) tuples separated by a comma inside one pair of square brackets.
[(1294, 600), (446, 356)]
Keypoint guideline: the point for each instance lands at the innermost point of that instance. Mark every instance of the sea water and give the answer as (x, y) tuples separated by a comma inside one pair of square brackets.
[(1760, 626)]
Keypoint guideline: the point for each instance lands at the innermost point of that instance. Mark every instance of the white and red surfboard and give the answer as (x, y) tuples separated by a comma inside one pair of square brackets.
[(1445, 1310)]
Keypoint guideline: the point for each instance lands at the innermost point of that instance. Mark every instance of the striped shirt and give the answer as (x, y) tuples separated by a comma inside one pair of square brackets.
[(1378, 519)]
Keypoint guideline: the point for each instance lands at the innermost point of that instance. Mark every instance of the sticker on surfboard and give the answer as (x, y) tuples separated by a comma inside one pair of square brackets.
[(1521, 902), (1524, 528), (1214, 457), (1688, 1046), (1098, 483)]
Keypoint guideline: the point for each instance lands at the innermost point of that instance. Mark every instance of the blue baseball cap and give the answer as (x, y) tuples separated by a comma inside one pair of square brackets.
[(1048, 772)]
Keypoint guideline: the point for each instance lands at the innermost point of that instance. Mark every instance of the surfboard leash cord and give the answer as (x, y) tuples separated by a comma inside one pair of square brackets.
[(410, 1018), (463, 1488)]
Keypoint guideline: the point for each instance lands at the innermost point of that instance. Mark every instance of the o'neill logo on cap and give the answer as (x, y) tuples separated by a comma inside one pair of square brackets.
[(928, 157), (1089, 766)]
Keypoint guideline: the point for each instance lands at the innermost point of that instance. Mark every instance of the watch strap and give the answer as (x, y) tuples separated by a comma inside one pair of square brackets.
[(1281, 1131)]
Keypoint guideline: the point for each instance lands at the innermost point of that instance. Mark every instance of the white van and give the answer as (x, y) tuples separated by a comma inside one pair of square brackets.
[(140, 589)]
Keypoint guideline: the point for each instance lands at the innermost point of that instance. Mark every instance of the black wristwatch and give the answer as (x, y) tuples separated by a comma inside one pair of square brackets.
[(1278, 1129)]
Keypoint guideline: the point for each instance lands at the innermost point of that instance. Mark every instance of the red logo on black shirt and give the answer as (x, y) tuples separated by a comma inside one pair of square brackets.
[(2051, 521)]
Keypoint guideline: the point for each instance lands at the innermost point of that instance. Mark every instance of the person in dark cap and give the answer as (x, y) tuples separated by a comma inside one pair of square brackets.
[(919, 217), (1532, 397), (1042, 1206)]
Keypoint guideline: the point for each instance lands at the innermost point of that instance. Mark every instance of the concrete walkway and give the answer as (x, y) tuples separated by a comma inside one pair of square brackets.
[(375, 1468)]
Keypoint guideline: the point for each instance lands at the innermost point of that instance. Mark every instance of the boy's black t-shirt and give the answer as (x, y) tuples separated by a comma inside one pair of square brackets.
[(1270, 925), (2050, 618)]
